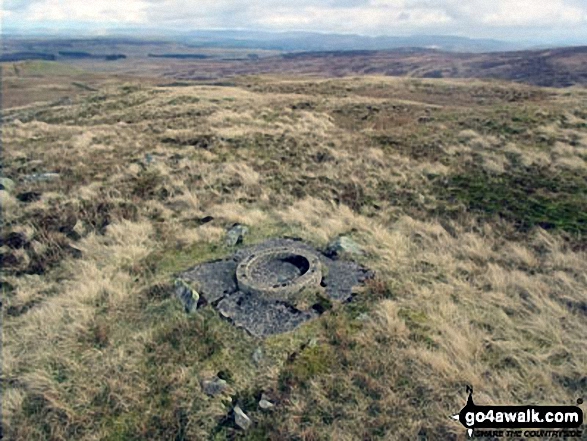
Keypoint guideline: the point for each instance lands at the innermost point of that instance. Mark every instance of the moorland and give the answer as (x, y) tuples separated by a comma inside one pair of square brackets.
[(467, 197)]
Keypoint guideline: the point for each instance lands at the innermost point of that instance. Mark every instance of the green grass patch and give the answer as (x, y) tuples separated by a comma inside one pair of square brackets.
[(171, 261), (311, 362), (527, 198), (38, 67)]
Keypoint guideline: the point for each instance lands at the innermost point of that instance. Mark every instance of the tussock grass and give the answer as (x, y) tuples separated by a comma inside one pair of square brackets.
[(473, 223)]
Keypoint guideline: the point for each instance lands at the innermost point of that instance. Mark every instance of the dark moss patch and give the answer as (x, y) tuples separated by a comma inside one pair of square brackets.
[(527, 198), (147, 183), (420, 145)]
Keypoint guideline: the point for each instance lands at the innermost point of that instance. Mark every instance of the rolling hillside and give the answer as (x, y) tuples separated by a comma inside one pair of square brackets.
[(466, 198)]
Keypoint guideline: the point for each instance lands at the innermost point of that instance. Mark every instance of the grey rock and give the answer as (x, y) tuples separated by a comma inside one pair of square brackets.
[(187, 295), (342, 245), (6, 184), (236, 234), (363, 317), (342, 277), (214, 386), (265, 404), (261, 317), (41, 177), (213, 279), (241, 419), (258, 356)]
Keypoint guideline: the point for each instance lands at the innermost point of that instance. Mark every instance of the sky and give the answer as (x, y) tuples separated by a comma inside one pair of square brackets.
[(540, 20)]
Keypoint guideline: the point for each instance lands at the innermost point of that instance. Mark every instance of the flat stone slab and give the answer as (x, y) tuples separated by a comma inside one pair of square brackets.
[(213, 280), (216, 283), (342, 276), (262, 317)]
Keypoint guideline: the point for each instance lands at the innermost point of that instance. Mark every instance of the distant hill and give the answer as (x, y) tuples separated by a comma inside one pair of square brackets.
[(313, 41), (197, 58), (560, 67), (281, 41)]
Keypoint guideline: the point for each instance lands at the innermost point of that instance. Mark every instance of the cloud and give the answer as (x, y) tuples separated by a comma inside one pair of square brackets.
[(473, 18), (375, 20), (532, 13), (102, 11)]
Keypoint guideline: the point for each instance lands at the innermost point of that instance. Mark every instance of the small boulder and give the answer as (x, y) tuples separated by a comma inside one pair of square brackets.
[(342, 245), (236, 234), (241, 419), (265, 404), (363, 317), (214, 386), (258, 356), (6, 184), (187, 295), (76, 253), (41, 177)]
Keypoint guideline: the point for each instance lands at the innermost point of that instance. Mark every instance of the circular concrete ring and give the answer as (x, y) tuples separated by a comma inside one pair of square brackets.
[(254, 275)]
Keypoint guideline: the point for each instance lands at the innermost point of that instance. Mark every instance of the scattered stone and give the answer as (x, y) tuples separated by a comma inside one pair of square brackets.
[(236, 234), (363, 317), (6, 184), (214, 387), (342, 245), (241, 419), (76, 253), (187, 295), (265, 404), (258, 356), (41, 177)]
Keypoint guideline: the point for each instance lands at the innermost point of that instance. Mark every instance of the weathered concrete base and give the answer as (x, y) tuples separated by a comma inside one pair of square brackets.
[(217, 285), (260, 316)]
